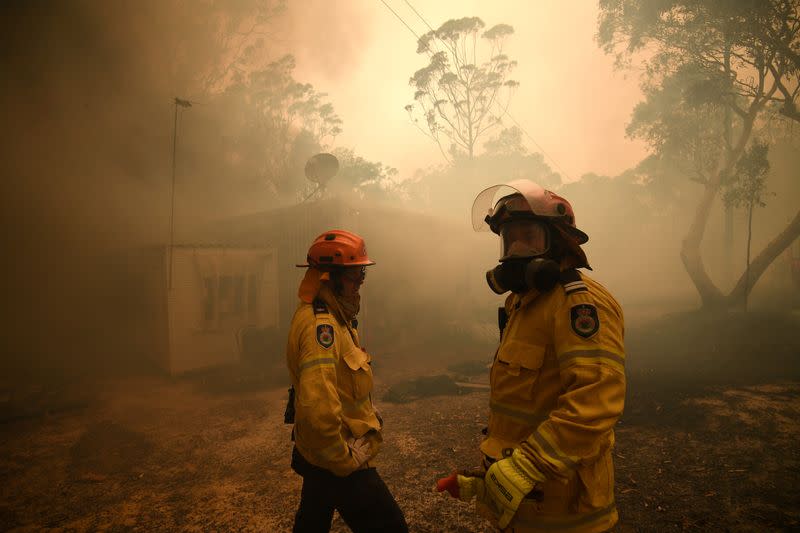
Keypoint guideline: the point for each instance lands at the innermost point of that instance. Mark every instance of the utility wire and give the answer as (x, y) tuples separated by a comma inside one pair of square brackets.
[(400, 19), (548, 156), (417, 14), (505, 111), (429, 27)]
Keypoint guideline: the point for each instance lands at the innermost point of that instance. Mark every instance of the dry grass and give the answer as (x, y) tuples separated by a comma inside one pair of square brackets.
[(152, 454)]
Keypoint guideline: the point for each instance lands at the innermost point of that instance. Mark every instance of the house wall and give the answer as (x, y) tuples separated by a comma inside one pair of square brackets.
[(216, 293)]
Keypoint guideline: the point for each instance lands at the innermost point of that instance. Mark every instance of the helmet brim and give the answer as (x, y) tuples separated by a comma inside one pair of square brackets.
[(358, 263), (579, 236)]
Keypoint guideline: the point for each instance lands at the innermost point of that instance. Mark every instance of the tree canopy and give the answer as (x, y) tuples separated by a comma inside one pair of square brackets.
[(462, 93), (254, 138), (717, 74)]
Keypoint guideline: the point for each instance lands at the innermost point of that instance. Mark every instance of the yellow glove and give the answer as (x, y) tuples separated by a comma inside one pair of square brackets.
[(464, 486), (507, 482)]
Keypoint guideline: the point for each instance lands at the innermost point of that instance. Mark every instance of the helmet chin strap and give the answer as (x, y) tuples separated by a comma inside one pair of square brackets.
[(521, 275)]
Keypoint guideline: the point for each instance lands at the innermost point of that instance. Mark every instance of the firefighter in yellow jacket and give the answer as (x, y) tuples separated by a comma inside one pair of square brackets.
[(558, 377), (337, 430)]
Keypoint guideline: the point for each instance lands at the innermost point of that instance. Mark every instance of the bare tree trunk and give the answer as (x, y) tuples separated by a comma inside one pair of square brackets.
[(728, 244), (763, 260), (728, 125), (747, 264), (710, 295)]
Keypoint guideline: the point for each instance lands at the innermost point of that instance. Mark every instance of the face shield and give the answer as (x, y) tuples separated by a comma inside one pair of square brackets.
[(515, 197), (524, 238), (529, 219)]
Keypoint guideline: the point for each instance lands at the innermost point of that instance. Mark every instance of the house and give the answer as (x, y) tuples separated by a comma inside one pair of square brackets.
[(198, 301), (429, 280)]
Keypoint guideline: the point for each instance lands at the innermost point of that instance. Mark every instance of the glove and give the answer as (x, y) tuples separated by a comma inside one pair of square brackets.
[(502, 488), (507, 482), (360, 449), (462, 485)]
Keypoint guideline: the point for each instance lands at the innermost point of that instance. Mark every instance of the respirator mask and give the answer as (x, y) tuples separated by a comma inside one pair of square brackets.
[(523, 264)]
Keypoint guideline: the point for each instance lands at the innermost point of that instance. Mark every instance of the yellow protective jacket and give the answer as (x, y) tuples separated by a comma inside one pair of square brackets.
[(332, 379), (557, 389)]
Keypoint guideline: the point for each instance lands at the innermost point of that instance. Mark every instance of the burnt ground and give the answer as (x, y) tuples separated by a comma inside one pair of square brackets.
[(708, 442)]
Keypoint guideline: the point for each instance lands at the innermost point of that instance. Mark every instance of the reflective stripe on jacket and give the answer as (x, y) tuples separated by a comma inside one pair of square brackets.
[(557, 389), (333, 385)]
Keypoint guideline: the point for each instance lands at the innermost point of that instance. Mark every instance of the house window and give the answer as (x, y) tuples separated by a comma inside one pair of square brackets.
[(209, 298), (226, 297), (231, 296), (252, 297), (238, 295)]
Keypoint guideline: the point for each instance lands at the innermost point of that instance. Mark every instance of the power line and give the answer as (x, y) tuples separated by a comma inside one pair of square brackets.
[(505, 111), (548, 156), (420, 16), (429, 27), (400, 19)]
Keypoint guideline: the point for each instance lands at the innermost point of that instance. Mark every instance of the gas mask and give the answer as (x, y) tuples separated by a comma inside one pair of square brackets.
[(521, 275), (524, 263)]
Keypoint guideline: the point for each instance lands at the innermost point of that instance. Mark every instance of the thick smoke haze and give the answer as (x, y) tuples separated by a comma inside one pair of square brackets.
[(571, 100), (82, 171), (144, 386), (88, 104), (87, 100)]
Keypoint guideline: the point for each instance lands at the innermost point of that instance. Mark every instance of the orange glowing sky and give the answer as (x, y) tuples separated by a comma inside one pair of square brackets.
[(571, 101)]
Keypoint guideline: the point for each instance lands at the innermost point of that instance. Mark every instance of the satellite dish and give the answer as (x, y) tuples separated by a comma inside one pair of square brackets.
[(321, 168)]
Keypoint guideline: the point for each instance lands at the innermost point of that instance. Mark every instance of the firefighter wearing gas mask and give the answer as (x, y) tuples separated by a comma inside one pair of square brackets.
[(558, 377), (337, 431)]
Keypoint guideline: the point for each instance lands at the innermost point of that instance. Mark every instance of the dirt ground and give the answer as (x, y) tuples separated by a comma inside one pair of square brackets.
[(700, 448)]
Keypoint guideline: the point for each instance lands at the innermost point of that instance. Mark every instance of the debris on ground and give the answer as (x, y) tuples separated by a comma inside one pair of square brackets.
[(470, 368), (422, 387)]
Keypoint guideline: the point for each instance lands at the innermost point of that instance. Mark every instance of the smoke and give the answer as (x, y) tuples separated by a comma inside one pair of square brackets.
[(327, 38), (76, 134), (87, 144)]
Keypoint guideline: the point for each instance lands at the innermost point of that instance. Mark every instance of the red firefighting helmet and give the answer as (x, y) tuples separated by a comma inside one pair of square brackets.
[(524, 199), (337, 248)]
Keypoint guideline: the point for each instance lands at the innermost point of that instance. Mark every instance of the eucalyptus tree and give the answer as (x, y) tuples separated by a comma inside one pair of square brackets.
[(715, 73), (465, 89), (370, 180), (268, 124), (215, 43), (747, 189)]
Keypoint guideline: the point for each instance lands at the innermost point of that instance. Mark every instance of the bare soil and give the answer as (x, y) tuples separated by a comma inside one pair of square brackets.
[(706, 444)]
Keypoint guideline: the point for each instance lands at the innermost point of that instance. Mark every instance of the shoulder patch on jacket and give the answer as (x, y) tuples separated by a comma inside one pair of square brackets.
[(325, 335), (584, 320), (572, 282)]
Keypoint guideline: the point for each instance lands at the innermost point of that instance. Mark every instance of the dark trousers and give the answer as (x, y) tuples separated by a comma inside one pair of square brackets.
[(362, 499)]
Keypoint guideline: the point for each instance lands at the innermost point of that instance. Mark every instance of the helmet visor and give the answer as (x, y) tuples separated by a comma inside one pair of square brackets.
[(488, 202), (524, 239)]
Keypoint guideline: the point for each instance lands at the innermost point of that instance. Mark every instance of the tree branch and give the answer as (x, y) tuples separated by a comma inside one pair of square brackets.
[(759, 265)]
